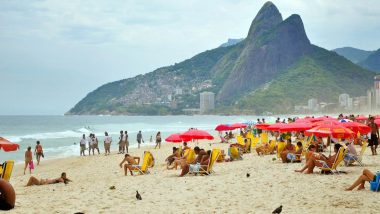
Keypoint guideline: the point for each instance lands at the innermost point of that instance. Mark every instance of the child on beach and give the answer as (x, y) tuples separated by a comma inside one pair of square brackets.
[(29, 160)]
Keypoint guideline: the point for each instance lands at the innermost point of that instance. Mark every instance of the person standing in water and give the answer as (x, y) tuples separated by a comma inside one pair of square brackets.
[(107, 143), (29, 160), (139, 139), (158, 140), (38, 152), (82, 144)]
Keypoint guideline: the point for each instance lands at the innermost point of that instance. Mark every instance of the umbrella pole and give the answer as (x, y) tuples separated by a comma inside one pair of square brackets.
[(330, 143)]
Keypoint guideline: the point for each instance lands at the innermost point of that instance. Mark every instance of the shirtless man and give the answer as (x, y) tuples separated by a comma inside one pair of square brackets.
[(366, 176), (38, 152), (131, 163), (197, 162), (7, 195), (374, 141), (289, 148), (34, 181), (314, 160), (28, 159)]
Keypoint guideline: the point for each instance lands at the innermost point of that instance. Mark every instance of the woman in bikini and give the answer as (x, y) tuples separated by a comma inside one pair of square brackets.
[(34, 181)]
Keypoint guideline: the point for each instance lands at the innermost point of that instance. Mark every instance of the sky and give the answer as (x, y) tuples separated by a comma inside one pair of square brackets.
[(53, 52)]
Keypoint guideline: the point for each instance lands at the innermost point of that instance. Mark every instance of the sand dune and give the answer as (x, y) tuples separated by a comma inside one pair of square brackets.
[(227, 191)]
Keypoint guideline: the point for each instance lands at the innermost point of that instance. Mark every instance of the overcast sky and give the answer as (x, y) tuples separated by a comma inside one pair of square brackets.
[(52, 53)]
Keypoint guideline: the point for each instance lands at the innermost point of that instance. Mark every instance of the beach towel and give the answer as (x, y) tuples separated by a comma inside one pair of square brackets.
[(31, 165)]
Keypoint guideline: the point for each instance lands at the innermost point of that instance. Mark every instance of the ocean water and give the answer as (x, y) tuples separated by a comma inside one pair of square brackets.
[(60, 135)]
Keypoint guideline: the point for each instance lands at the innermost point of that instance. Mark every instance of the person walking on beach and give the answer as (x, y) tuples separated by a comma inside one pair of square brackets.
[(107, 143), (90, 144), (158, 140), (126, 141), (38, 152), (139, 139), (95, 144), (29, 160), (82, 144), (374, 140), (120, 141)]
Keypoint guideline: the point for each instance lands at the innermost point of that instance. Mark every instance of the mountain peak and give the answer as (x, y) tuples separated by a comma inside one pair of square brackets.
[(267, 18)]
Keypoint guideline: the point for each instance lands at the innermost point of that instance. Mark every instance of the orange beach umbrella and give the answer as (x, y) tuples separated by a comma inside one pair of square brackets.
[(8, 146)]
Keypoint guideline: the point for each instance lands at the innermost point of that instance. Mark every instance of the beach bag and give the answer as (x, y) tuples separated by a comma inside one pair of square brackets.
[(375, 184)]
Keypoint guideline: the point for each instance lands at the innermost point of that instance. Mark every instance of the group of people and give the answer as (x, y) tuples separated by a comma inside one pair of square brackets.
[(38, 152), (91, 143)]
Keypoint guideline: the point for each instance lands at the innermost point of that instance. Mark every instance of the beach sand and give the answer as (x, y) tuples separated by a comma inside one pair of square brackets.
[(228, 190)]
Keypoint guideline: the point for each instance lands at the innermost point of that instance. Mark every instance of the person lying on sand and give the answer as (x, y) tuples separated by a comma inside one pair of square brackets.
[(366, 176), (314, 160), (131, 163), (34, 181), (7, 195)]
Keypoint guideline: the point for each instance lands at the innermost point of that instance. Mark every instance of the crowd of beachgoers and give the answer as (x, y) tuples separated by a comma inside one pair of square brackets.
[(322, 143)]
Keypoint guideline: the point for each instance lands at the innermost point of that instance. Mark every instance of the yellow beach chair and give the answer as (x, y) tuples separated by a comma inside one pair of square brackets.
[(270, 149), (6, 170), (255, 141), (361, 153), (339, 158), (234, 153), (280, 148), (190, 155), (207, 169), (147, 161), (240, 140), (264, 138)]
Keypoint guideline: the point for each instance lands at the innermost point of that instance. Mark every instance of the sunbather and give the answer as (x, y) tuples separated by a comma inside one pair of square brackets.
[(7, 195), (366, 176), (311, 150), (314, 160), (131, 163), (197, 162), (351, 155), (294, 156), (289, 149), (34, 181), (169, 160), (261, 150)]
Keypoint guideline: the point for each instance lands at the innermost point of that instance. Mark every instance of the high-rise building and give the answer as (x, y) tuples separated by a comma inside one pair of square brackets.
[(371, 98), (377, 91), (343, 100), (206, 103), (312, 104)]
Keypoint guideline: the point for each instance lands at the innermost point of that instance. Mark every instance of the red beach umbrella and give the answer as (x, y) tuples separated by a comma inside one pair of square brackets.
[(296, 127), (176, 138), (302, 120), (195, 134), (275, 127), (377, 121), (238, 126), (8, 146), (333, 130), (330, 122), (222, 127), (262, 125), (357, 127)]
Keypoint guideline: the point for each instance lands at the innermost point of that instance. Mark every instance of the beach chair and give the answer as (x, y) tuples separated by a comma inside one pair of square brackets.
[(147, 159), (339, 158), (234, 153), (264, 138), (280, 148), (208, 169), (269, 150), (360, 156), (239, 140), (254, 142), (190, 155), (6, 170)]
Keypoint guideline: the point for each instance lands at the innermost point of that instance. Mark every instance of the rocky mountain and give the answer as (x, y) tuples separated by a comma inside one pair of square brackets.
[(372, 62), (353, 54), (231, 42), (274, 68)]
